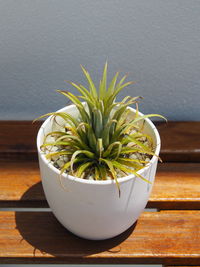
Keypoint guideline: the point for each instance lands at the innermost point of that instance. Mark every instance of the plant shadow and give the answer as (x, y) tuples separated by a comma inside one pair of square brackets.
[(44, 233)]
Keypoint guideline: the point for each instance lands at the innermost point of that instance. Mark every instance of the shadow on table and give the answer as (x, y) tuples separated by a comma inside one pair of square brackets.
[(43, 231)]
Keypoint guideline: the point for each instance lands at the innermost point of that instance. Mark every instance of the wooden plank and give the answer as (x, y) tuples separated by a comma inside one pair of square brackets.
[(18, 139), (180, 140), (177, 186), (20, 185), (168, 237)]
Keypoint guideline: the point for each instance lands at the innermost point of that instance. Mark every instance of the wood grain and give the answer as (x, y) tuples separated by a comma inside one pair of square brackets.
[(180, 140), (177, 186), (168, 237)]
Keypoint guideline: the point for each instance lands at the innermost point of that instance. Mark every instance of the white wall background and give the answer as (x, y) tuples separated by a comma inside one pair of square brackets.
[(42, 43)]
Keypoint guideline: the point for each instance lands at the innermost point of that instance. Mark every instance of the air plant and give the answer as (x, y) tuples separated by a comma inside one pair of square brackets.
[(103, 141)]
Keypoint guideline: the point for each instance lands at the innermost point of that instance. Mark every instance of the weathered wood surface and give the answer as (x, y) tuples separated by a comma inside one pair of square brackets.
[(167, 237), (180, 140), (170, 236), (177, 186)]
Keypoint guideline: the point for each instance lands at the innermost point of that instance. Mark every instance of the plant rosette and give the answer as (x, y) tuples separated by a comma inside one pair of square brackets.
[(98, 208)]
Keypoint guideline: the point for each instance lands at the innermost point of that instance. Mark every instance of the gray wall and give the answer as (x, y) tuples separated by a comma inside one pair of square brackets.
[(42, 43)]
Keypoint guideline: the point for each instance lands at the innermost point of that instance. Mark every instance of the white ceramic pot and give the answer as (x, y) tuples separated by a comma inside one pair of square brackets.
[(93, 209)]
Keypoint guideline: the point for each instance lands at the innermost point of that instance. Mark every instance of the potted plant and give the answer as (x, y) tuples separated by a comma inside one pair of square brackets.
[(98, 159)]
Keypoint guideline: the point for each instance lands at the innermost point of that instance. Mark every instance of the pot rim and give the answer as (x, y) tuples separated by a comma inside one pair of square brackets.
[(94, 182)]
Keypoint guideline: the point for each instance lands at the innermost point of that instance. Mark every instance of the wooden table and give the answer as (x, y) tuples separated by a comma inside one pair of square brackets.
[(169, 235)]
